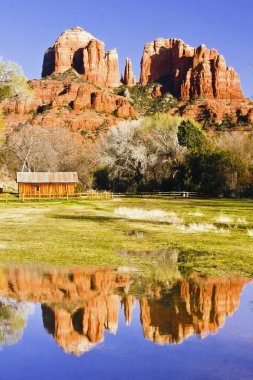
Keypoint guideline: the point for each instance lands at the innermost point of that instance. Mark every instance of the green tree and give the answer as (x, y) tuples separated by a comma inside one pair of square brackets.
[(215, 171), (190, 135)]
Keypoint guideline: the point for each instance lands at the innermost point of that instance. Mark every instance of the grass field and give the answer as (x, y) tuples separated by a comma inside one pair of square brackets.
[(213, 236)]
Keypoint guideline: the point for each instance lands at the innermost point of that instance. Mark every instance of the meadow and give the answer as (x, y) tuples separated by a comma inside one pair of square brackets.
[(212, 236)]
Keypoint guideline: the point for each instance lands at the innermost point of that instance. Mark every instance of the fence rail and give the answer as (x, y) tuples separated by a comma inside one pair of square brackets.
[(99, 195)]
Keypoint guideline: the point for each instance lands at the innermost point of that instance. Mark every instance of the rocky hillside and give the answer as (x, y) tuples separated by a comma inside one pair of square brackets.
[(81, 86), (64, 100)]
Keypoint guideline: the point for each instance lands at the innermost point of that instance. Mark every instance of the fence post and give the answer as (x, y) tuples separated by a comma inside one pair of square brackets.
[(23, 197), (67, 196), (6, 197)]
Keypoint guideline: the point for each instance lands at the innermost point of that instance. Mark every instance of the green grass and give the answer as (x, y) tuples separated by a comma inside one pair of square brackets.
[(90, 233)]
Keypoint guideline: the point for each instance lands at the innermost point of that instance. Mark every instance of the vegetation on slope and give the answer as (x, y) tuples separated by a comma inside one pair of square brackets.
[(144, 103)]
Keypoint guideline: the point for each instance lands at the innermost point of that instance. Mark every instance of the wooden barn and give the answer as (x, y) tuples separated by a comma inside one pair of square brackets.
[(46, 185)]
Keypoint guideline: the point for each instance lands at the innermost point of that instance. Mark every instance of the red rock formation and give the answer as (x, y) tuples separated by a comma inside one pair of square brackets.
[(79, 49), (189, 72), (209, 111), (198, 306), (129, 78), (73, 104), (103, 101)]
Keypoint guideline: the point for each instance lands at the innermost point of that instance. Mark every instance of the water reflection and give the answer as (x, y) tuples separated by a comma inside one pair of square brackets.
[(80, 304), (13, 319), (197, 306)]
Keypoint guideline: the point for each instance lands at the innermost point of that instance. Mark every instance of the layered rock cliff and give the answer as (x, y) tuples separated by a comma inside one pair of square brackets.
[(188, 72), (78, 49), (70, 103)]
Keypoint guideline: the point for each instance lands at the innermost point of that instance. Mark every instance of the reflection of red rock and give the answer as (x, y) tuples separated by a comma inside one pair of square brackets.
[(78, 305), (81, 329), (129, 302), (198, 306), (78, 331), (58, 285)]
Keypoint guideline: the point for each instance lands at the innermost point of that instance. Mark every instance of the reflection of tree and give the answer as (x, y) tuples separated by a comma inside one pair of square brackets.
[(13, 318)]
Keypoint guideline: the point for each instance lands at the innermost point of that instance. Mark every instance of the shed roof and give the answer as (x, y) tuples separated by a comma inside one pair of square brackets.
[(55, 177)]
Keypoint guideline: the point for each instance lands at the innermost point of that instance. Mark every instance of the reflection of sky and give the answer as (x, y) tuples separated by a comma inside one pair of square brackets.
[(127, 355)]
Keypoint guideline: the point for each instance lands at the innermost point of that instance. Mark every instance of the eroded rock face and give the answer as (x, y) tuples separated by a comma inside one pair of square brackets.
[(189, 72), (129, 78), (78, 49)]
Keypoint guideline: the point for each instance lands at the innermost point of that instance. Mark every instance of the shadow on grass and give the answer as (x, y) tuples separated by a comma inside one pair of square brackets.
[(85, 217), (106, 219)]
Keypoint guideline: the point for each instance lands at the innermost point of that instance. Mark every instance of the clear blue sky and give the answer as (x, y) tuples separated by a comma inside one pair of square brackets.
[(28, 27)]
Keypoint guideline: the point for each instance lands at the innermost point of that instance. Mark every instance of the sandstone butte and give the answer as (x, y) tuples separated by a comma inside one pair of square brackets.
[(78, 49), (78, 305), (197, 74), (207, 90), (188, 72), (85, 102)]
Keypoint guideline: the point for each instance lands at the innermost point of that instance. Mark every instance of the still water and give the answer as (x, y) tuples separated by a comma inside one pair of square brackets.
[(103, 323)]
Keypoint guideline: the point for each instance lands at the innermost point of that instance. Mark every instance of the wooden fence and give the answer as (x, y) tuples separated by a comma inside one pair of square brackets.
[(99, 195)]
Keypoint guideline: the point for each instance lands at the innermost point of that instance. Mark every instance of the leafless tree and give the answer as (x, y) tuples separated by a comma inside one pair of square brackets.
[(37, 148), (168, 154), (143, 150), (124, 151)]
